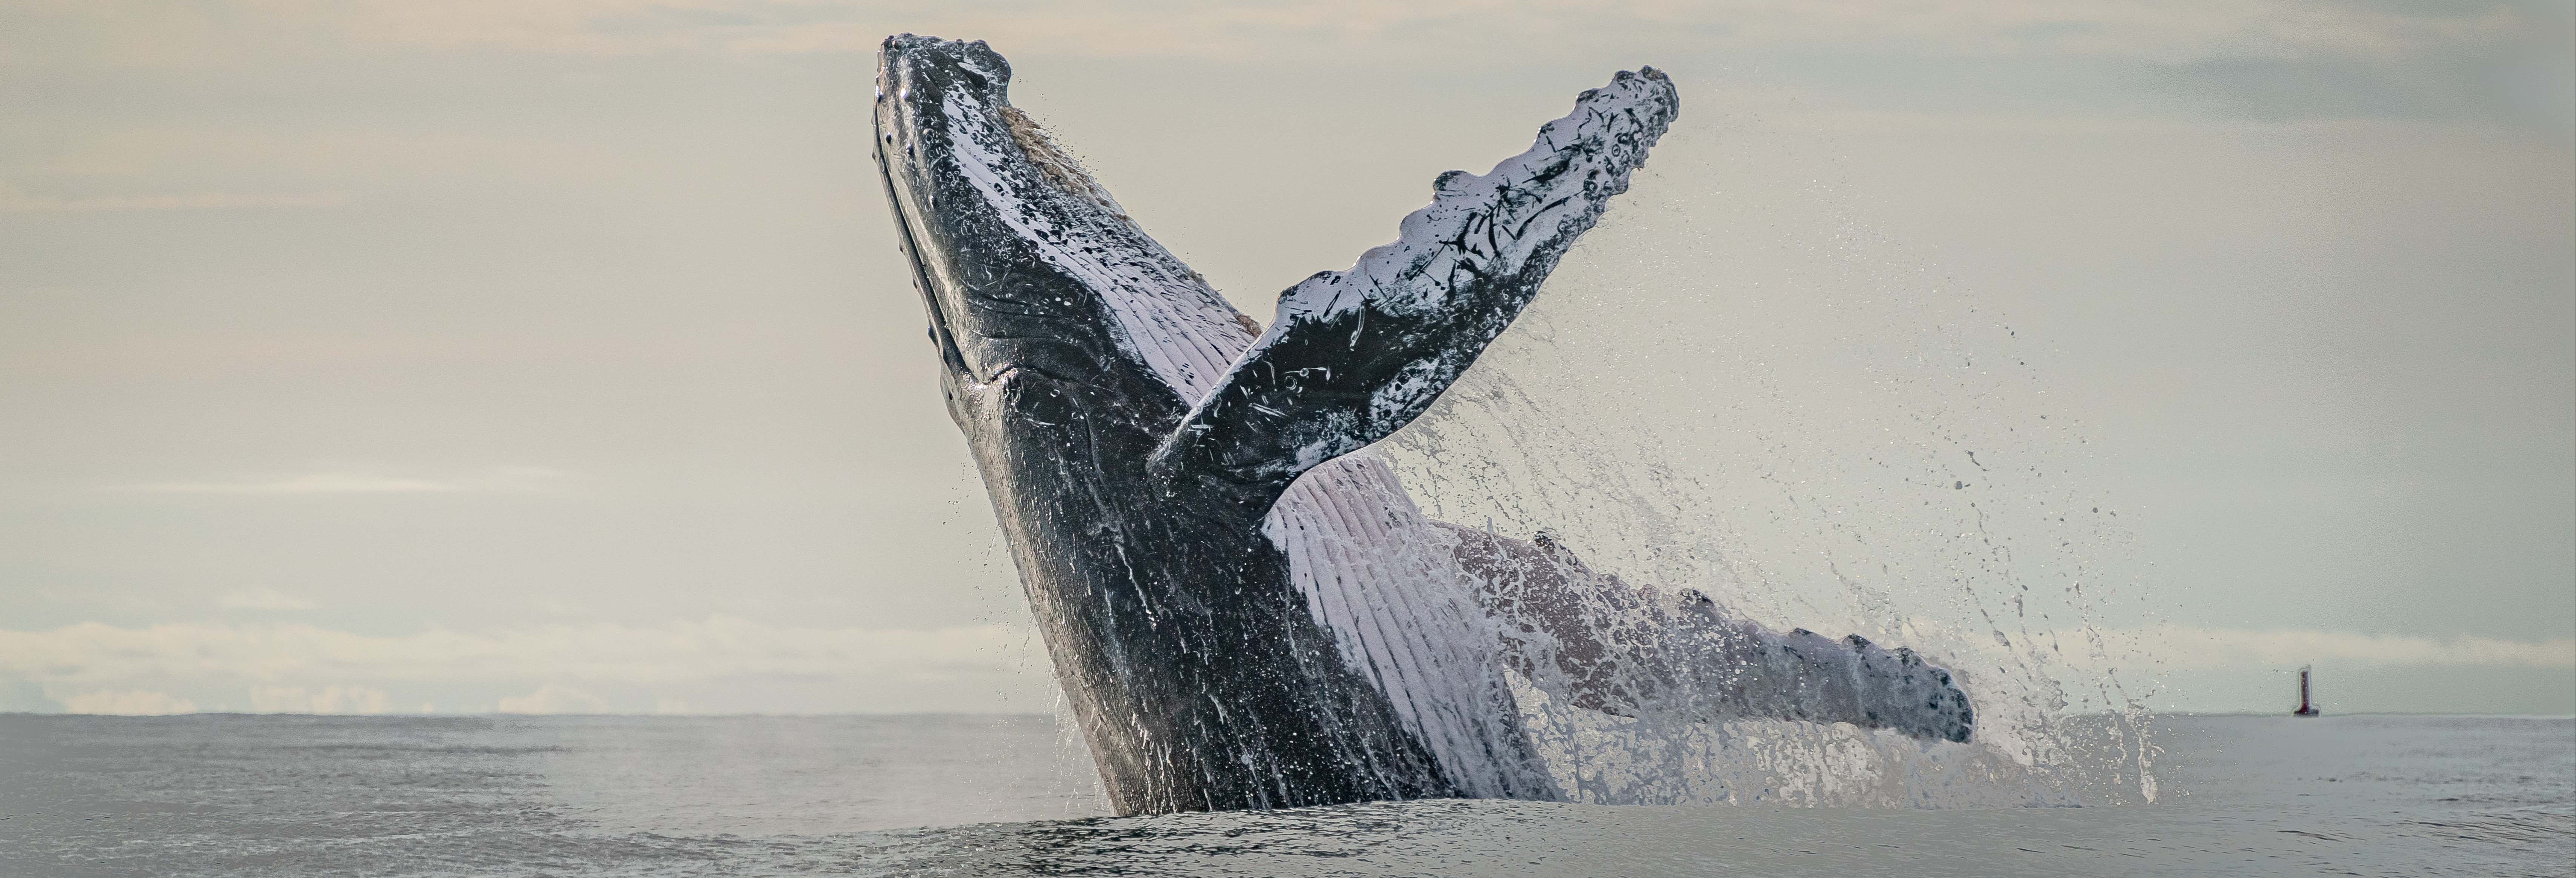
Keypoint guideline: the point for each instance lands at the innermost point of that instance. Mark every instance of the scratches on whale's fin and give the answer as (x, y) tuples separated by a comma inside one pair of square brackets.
[(1601, 644), (1355, 355)]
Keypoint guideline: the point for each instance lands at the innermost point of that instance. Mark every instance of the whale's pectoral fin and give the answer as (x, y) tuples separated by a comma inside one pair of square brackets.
[(1729, 668), (1355, 355), (1604, 645)]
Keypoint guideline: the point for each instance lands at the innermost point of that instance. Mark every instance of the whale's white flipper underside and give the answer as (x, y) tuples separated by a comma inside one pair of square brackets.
[(1383, 579)]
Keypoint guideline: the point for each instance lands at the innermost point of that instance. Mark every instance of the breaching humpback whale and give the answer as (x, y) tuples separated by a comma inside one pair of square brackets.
[(1243, 606)]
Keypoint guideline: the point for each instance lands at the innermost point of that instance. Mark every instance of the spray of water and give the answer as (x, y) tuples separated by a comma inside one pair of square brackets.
[(1814, 429), (1735, 401)]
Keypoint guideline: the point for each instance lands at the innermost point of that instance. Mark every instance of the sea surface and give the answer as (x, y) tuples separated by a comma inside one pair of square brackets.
[(968, 795)]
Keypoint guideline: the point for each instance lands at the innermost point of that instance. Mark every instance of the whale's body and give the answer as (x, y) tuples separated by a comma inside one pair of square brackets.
[(1244, 607)]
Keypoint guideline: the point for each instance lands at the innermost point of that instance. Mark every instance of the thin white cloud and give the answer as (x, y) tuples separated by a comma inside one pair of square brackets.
[(309, 483), (2183, 648), (128, 703), (361, 481), (14, 201), (327, 700), (230, 149), (2159, 30), (263, 598), (293, 668), (91, 654), (551, 698)]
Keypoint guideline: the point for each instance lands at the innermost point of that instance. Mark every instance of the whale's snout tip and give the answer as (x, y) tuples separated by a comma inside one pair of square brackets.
[(908, 53)]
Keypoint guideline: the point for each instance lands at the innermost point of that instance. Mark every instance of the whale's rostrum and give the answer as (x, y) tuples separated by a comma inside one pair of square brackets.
[(1244, 608)]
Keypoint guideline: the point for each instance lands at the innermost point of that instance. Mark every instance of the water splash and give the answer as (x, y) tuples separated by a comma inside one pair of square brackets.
[(1839, 439)]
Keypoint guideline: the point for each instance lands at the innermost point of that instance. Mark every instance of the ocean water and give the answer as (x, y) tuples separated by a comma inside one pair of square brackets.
[(959, 795)]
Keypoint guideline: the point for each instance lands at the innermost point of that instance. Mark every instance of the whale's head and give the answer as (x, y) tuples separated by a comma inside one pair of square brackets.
[(1030, 272)]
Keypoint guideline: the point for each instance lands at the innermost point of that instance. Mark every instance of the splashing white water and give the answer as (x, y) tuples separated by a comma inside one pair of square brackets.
[(1838, 440)]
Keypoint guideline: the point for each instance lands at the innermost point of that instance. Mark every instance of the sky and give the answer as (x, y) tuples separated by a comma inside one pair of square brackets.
[(370, 357)]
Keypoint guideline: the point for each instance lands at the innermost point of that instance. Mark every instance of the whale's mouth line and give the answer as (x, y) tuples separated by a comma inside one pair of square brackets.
[(983, 308), (941, 334)]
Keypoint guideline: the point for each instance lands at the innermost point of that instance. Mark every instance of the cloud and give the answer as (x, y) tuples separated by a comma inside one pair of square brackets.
[(744, 665), (349, 156), (2180, 648), (551, 698), (14, 201), (360, 481), (328, 699), (2149, 29), (719, 648), (264, 598), (24, 695), (127, 703), (2164, 31)]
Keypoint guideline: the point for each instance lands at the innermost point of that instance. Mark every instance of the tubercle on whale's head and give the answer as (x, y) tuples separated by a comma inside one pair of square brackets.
[(970, 199)]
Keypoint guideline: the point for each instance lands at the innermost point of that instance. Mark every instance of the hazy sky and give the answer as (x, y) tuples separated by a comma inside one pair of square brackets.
[(471, 356)]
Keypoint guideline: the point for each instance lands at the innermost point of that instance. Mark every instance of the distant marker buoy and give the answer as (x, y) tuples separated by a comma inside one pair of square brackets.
[(2306, 707)]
